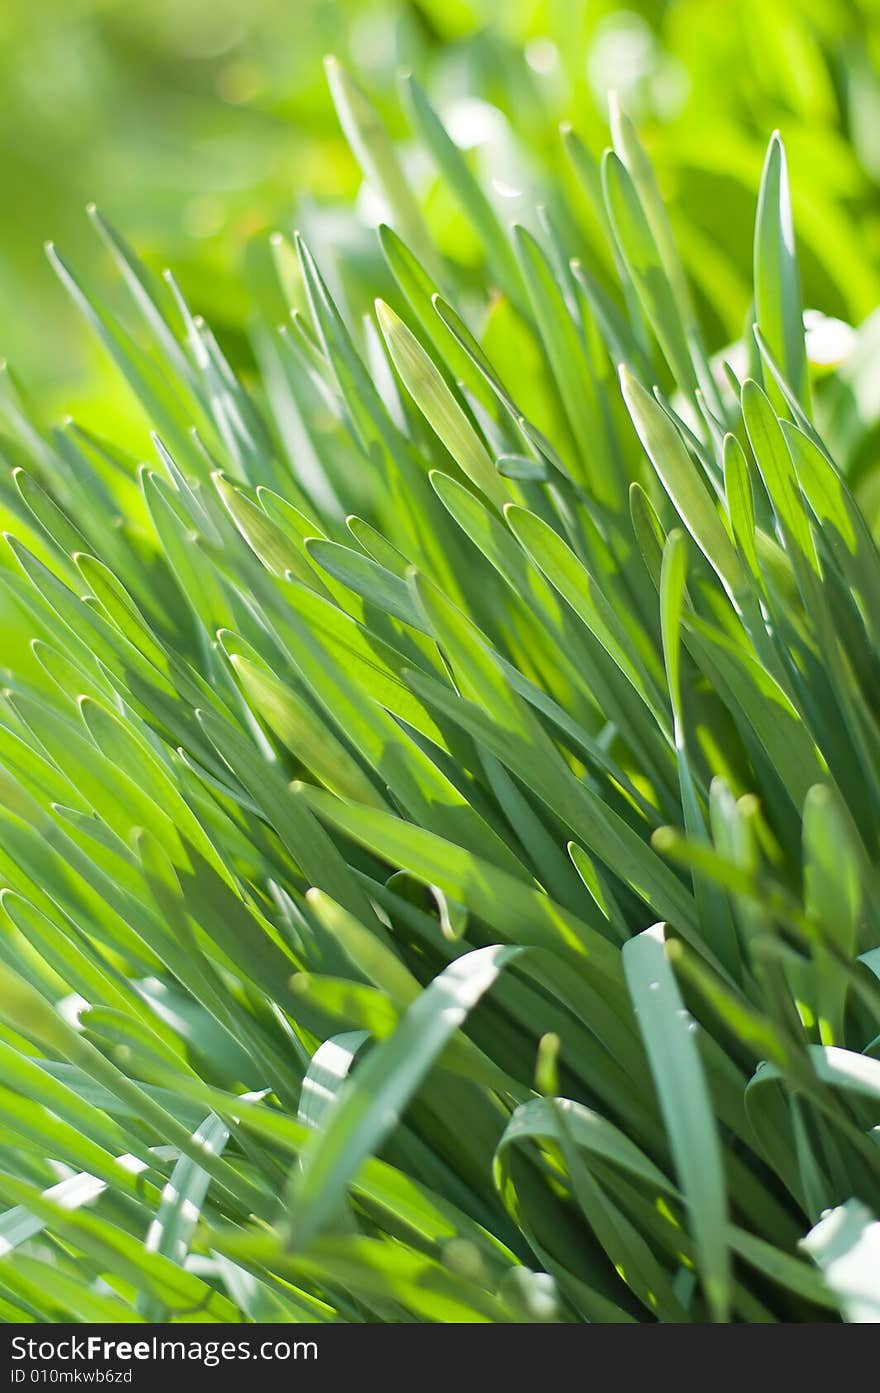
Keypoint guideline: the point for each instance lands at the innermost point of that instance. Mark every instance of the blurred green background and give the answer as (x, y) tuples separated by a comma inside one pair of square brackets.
[(199, 125)]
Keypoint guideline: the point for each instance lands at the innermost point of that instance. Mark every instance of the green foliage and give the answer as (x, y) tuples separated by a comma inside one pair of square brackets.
[(199, 124), (440, 791)]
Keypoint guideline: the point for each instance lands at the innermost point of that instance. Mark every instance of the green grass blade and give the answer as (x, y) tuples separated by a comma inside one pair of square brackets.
[(371, 1105), (687, 1109), (777, 281)]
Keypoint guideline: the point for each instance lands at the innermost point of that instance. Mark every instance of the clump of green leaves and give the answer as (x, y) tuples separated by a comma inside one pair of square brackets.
[(464, 907)]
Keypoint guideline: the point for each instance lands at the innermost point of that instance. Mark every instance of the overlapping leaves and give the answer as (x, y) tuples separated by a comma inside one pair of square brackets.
[(320, 830)]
